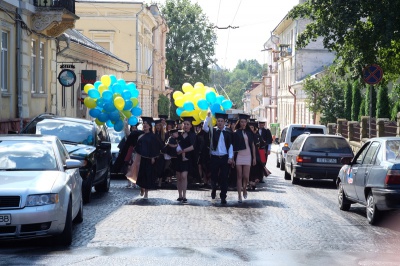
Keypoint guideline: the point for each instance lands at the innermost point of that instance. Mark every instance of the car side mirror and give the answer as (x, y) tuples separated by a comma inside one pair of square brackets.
[(72, 163), (346, 160)]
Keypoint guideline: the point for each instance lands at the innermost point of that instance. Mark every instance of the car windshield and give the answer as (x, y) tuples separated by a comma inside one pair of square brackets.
[(325, 144), (67, 131), (27, 155), (297, 131), (115, 137)]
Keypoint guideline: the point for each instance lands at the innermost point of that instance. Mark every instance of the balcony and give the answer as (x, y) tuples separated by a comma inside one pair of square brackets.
[(285, 50), (53, 17)]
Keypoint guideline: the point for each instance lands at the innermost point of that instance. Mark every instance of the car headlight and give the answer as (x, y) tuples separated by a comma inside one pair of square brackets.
[(41, 199)]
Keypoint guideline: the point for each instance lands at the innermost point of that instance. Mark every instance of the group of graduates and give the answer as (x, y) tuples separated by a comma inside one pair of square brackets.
[(232, 154)]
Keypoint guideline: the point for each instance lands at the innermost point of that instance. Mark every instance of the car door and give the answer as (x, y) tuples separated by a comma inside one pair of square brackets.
[(364, 169), (291, 157), (348, 184)]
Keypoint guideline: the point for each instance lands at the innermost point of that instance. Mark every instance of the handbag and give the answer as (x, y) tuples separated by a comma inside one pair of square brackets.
[(263, 158)]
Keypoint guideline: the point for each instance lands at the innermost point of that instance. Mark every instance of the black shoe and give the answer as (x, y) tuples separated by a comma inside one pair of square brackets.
[(179, 199), (262, 181), (184, 200), (223, 201), (213, 193)]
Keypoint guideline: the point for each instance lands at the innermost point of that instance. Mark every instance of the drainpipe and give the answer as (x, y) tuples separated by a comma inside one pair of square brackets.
[(137, 44), (19, 66), (294, 104), (67, 41)]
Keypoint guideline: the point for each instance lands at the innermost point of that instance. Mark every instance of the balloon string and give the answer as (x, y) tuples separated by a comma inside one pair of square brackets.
[(211, 128)]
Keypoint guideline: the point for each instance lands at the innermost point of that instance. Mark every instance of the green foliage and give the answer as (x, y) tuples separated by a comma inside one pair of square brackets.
[(315, 95), (163, 105), (361, 32), (190, 43), (394, 97), (362, 109), (367, 102), (347, 100), (356, 100), (383, 106), (395, 110)]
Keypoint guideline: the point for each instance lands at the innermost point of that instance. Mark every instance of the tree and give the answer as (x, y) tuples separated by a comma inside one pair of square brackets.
[(315, 95), (394, 97), (356, 100), (362, 109), (190, 43), (332, 101), (361, 32), (383, 106), (163, 105), (347, 100)]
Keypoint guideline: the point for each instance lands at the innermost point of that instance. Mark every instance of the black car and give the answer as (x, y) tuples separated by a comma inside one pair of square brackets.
[(316, 156), (85, 141)]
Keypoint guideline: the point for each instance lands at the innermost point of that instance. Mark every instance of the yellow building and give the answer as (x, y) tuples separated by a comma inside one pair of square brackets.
[(134, 32)]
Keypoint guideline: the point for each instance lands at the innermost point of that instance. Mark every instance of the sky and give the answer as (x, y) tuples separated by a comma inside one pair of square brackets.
[(256, 20)]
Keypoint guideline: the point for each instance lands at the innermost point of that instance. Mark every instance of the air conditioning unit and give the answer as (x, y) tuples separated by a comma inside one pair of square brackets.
[(266, 101)]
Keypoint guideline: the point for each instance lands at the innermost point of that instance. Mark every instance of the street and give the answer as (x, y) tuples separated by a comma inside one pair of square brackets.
[(278, 224)]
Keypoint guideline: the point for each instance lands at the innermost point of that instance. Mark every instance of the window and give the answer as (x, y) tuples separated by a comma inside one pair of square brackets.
[(33, 66), (297, 143), (38, 71), (4, 62), (41, 68), (369, 156)]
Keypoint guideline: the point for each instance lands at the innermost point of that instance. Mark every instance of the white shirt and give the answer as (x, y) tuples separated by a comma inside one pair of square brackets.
[(221, 149)]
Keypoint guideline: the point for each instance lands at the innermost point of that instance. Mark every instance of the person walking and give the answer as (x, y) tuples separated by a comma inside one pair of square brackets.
[(266, 136), (187, 141), (243, 145), (159, 132), (221, 158)]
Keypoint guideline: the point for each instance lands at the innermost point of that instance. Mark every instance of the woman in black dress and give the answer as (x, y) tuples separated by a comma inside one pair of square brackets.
[(187, 141), (159, 132), (147, 151)]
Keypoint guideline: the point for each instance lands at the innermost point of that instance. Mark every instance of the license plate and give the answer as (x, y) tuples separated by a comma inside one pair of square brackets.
[(5, 219), (326, 160)]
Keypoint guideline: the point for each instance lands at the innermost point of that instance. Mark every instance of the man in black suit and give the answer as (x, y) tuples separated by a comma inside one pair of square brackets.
[(266, 135), (221, 150)]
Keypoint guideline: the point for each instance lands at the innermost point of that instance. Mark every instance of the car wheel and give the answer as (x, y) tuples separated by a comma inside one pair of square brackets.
[(282, 164), (371, 209), (287, 175), (79, 217), (104, 186), (294, 179), (87, 189), (344, 204), (277, 161), (65, 238)]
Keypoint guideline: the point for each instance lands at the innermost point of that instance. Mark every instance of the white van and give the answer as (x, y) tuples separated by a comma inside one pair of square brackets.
[(289, 134)]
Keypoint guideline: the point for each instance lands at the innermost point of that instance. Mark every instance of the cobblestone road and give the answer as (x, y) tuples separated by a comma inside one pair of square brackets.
[(278, 219)]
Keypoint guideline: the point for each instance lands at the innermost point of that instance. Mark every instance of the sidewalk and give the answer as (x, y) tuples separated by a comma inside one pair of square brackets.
[(274, 147)]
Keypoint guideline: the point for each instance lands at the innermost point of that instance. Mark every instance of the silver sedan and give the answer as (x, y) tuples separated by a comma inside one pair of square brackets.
[(40, 188)]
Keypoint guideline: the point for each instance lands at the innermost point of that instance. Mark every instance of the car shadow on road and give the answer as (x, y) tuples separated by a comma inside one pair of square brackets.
[(323, 184)]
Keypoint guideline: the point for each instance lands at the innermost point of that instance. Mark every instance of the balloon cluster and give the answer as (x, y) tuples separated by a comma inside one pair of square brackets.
[(197, 100), (111, 101)]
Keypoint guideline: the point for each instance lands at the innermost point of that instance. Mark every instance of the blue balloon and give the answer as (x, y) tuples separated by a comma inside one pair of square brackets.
[(117, 88), (131, 86), (109, 107), (202, 104), (118, 125), (114, 115), (126, 94), (128, 105), (133, 121), (219, 99), (113, 79), (97, 84), (103, 117), (109, 123), (179, 111), (100, 102), (136, 111), (211, 97), (94, 112), (107, 95), (216, 108), (122, 83), (226, 104), (188, 106), (135, 93), (94, 93)]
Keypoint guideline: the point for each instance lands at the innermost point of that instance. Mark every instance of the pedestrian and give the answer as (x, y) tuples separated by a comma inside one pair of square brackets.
[(243, 145), (187, 141), (147, 151), (256, 171), (221, 150), (159, 132), (232, 180), (168, 172), (203, 160)]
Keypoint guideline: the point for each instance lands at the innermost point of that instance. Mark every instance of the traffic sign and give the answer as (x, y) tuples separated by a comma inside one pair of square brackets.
[(372, 74)]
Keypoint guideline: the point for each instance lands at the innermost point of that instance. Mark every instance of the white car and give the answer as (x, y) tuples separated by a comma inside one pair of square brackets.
[(40, 188)]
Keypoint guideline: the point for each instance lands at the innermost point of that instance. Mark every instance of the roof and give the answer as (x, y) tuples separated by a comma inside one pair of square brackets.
[(77, 37)]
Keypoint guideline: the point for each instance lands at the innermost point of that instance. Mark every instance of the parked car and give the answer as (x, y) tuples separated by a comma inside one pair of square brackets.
[(316, 156), (85, 141), (372, 178), (289, 134), (40, 188), (115, 138)]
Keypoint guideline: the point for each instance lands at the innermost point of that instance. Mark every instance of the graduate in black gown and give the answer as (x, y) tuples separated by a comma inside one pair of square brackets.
[(147, 151), (159, 132)]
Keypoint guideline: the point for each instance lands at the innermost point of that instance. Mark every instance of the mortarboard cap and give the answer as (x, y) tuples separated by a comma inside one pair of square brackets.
[(252, 120), (232, 120), (188, 118), (178, 121), (252, 123), (261, 121), (170, 122), (163, 116), (156, 121), (221, 115), (172, 131), (244, 116), (147, 119)]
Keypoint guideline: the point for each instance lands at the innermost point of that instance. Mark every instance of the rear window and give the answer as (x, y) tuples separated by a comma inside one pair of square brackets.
[(321, 144), (297, 131)]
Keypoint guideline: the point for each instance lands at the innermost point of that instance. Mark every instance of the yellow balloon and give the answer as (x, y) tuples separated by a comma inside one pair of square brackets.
[(214, 121), (88, 87), (179, 102), (198, 85), (187, 87), (177, 94), (196, 122), (127, 113), (102, 88), (188, 97), (98, 122), (196, 116), (134, 102), (185, 113), (89, 102), (106, 80), (119, 103), (203, 114)]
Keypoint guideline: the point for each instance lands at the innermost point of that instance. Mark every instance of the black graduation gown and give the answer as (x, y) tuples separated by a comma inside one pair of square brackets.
[(186, 166), (160, 163), (130, 141)]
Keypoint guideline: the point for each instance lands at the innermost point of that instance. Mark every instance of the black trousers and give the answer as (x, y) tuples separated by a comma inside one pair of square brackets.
[(219, 173)]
